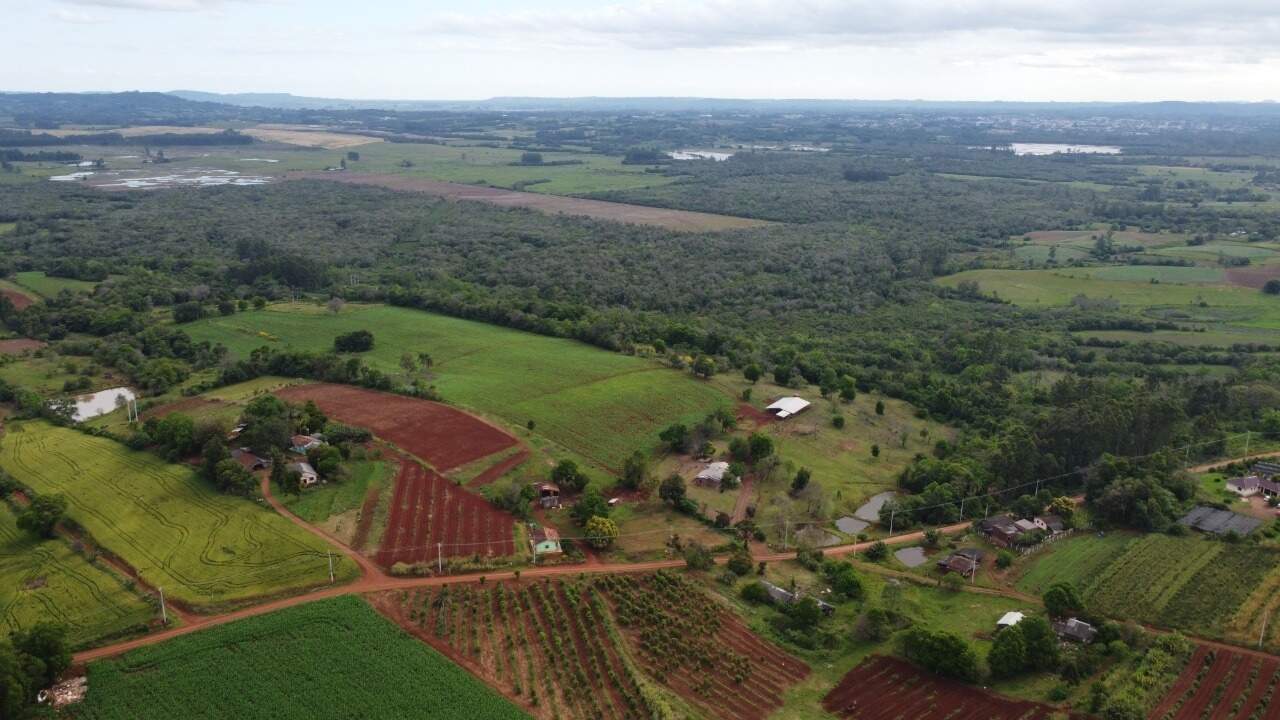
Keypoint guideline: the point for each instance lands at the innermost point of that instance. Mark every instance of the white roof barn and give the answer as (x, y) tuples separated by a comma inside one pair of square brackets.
[(788, 406), (1009, 619), (713, 473)]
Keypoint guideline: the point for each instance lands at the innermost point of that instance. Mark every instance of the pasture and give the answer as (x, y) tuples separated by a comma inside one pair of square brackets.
[(48, 286), (205, 549), (295, 663), (597, 404), (45, 580)]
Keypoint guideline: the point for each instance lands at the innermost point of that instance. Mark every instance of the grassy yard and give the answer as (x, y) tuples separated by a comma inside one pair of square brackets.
[(47, 286), (1076, 560), (335, 506), (299, 662), (204, 548), (44, 580), (599, 405)]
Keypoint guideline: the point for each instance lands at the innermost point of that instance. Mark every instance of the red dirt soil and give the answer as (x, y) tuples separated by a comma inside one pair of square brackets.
[(500, 468), (443, 436), (1254, 276), (758, 418), (430, 514), (881, 688), (1192, 700), (19, 300), (543, 202), (18, 346)]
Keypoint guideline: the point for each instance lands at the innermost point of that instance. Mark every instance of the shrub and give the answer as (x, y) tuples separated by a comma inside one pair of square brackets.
[(354, 341), (877, 552), (755, 593)]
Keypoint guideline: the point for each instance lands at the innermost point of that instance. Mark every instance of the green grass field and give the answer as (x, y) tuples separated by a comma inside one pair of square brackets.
[(598, 404), (333, 659), (1149, 273), (203, 548), (1211, 251), (1076, 560), (46, 286), (46, 375), (1225, 337), (45, 580), (319, 503)]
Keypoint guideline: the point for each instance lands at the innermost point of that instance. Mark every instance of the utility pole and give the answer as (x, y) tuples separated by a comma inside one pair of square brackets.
[(1263, 634), (962, 507), (440, 558), (164, 614), (330, 554), (1247, 436), (892, 513), (786, 532)]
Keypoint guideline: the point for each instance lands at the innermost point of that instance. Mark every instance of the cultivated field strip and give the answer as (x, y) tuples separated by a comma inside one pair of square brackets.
[(177, 533), (431, 516), (1225, 684), (444, 437), (885, 688), (597, 647), (47, 580)]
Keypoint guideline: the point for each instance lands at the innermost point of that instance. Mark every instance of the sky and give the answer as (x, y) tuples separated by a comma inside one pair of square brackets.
[(1036, 50)]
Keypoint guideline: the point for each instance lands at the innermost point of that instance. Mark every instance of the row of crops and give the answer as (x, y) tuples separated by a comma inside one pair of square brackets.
[(1198, 584), (600, 647), (332, 659)]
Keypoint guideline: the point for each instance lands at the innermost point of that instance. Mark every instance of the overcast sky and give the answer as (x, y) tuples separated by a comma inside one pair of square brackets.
[(455, 49)]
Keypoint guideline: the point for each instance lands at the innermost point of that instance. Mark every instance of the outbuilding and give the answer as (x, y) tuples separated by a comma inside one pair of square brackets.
[(712, 475), (545, 541), (1009, 619), (783, 408), (308, 474)]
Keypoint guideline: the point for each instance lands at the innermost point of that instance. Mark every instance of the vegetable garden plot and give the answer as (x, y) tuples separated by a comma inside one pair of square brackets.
[(432, 516), (884, 688), (596, 647), (1221, 683), (443, 436)]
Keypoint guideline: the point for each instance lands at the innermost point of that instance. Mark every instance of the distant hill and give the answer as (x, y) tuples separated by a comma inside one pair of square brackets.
[(287, 101), (47, 110)]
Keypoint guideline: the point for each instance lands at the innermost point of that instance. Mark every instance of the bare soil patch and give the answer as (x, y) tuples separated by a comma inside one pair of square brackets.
[(443, 436), (551, 204), (186, 405), (1254, 276), (308, 137), (19, 300), (502, 467), (19, 346)]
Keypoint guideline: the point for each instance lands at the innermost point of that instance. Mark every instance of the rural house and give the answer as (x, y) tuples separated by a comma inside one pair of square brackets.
[(1251, 485), (962, 562), (787, 597), (1000, 530), (783, 408), (1051, 524), (248, 460), (1266, 469), (302, 443), (545, 541), (548, 495), (712, 475), (1075, 630), (306, 472)]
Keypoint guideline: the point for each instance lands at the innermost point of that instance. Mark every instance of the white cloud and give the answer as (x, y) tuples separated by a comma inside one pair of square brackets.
[(158, 5), (76, 17), (670, 24)]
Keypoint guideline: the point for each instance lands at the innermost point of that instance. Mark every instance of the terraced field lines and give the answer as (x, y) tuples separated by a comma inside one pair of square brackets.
[(1221, 683), (1142, 581)]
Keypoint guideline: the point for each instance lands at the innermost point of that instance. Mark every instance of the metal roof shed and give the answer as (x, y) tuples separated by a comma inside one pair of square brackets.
[(787, 406)]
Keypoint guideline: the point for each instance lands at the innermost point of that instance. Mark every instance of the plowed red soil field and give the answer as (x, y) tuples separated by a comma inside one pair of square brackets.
[(1215, 681), (432, 516), (883, 688), (18, 346), (498, 469), (443, 436), (19, 300)]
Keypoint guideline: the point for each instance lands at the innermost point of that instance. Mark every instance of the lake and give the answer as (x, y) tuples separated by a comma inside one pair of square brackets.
[(101, 402), (1051, 148)]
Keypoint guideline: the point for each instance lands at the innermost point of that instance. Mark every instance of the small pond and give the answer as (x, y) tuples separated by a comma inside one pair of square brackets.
[(101, 402)]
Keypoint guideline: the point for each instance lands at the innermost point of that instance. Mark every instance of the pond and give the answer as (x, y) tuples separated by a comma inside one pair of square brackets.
[(101, 402), (870, 510), (1051, 148), (911, 557)]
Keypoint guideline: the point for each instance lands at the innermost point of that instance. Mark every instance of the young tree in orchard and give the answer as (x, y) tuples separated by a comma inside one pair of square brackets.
[(752, 373)]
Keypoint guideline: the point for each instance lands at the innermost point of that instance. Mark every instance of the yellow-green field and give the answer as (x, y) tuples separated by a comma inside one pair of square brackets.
[(44, 580), (203, 548)]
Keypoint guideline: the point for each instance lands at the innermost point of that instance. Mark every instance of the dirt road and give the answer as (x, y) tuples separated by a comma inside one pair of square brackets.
[(1210, 466)]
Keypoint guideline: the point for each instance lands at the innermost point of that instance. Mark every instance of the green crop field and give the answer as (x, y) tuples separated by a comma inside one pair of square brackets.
[(42, 284), (46, 580), (1057, 287), (598, 404), (1211, 251), (1142, 581), (203, 548), (1076, 560), (1147, 273), (297, 663)]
